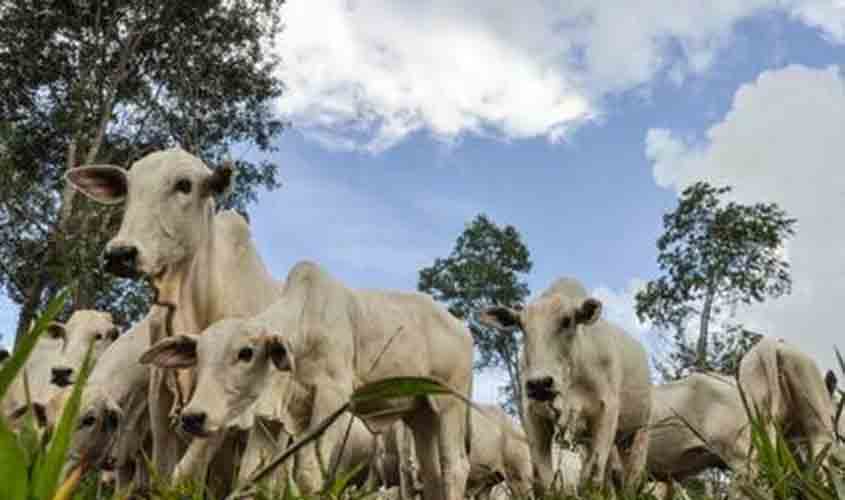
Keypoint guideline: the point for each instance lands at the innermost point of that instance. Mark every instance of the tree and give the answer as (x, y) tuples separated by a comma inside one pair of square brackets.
[(486, 267), (109, 81), (715, 255)]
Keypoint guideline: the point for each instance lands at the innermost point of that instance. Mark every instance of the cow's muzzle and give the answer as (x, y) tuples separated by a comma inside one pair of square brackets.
[(540, 389), (122, 261), (61, 376)]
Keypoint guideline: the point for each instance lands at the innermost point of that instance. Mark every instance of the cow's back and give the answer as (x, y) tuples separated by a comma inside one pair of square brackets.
[(701, 405), (407, 333)]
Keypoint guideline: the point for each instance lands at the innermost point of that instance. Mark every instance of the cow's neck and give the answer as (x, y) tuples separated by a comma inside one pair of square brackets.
[(214, 282)]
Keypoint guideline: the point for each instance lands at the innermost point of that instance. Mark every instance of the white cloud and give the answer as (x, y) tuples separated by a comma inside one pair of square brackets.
[(365, 74), (782, 141), (618, 307)]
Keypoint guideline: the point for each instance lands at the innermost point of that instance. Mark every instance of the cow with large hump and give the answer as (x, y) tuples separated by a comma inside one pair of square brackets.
[(55, 360), (787, 388), (332, 340), (202, 263), (580, 373)]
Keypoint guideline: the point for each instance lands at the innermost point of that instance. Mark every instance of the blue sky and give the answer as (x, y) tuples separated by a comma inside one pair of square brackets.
[(577, 122)]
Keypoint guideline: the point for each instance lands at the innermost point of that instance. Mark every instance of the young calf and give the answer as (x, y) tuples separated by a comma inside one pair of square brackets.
[(333, 340), (57, 356), (579, 369)]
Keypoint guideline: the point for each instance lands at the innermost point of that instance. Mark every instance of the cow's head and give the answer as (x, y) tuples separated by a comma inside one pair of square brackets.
[(48, 352), (97, 430), (82, 329), (550, 326), (169, 208), (233, 359)]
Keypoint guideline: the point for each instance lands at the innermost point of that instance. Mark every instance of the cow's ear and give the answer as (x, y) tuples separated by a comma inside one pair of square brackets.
[(499, 317), (179, 351), (830, 382), (102, 183), (221, 181), (588, 312), (279, 354), (56, 330)]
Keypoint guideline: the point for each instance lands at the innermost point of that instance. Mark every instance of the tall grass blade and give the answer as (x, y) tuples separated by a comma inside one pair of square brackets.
[(13, 474)]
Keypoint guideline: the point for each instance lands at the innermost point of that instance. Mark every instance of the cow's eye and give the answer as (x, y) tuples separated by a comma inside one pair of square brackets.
[(245, 354), (98, 337), (565, 322), (183, 186), (88, 421)]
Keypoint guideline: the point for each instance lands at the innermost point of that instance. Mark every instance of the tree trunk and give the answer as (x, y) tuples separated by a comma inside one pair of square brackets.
[(704, 326), (30, 306)]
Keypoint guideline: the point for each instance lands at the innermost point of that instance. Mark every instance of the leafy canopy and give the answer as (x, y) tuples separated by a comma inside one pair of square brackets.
[(715, 254), (108, 82), (486, 267)]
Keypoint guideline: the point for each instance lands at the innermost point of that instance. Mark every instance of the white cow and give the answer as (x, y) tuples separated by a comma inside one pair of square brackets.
[(787, 388), (205, 265), (56, 357), (113, 414), (702, 405), (580, 372), (333, 340), (499, 452)]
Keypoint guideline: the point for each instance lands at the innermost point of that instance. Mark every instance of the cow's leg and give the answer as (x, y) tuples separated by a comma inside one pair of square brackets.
[(167, 446), (451, 435), (518, 478), (194, 465), (308, 473), (540, 432), (423, 424), (635, 459), (406, 460), (603, 430)]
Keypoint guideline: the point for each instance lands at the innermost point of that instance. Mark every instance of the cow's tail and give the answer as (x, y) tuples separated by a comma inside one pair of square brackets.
[(468, 423), (769, 360)]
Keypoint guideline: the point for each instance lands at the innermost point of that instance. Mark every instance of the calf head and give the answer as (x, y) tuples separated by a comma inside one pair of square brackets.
[(551, 326), (169, 208), (84, 328), (97, 431), (232, 359)]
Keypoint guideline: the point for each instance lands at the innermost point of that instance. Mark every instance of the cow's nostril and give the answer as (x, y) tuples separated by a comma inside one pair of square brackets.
[(540, 388), (121, 260), (193, 423), (61, 376)]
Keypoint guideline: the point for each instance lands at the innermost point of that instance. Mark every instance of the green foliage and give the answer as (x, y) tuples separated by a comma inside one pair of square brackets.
[(714, 256), (486, 267), (108, 82)]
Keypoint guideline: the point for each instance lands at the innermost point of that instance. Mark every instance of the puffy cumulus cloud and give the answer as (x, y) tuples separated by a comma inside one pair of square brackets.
[(379, 70), (827, 15), (366, 74), (782, 141)]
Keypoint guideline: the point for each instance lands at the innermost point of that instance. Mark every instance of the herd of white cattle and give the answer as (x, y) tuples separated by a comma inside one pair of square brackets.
[(230, 364)]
